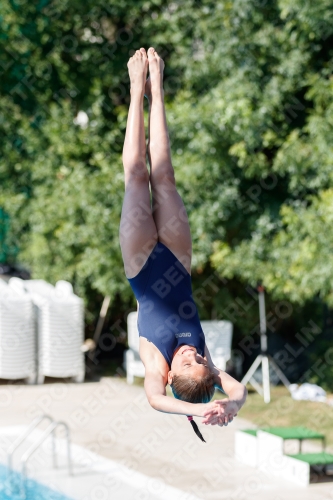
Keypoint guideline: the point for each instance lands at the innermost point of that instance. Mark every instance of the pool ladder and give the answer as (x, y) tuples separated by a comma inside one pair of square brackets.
[(31, 450)]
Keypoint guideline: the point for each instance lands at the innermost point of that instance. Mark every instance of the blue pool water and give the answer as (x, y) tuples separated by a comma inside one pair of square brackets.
[(11, 490)]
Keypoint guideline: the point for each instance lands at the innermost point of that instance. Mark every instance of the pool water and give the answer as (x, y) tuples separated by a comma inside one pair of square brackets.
[(12, 489)]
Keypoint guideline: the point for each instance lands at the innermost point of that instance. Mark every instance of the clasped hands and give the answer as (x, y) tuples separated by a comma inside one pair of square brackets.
[(220, 412)]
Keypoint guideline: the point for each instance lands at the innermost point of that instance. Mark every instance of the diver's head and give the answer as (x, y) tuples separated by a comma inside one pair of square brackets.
[(190, 377)]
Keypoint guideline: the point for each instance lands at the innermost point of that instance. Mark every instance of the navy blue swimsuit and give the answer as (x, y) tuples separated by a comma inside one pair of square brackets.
[(167, 316)]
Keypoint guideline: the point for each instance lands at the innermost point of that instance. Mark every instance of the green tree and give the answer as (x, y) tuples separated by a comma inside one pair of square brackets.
[(249, 102)]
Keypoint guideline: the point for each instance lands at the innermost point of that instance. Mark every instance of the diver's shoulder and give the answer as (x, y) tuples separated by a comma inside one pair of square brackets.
[(152, 358)]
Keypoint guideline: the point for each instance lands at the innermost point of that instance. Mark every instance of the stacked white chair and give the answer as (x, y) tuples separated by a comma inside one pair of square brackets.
[(17, 334), (60, 329)]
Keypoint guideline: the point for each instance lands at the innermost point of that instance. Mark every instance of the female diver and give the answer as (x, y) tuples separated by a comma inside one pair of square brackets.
[(156, 247)]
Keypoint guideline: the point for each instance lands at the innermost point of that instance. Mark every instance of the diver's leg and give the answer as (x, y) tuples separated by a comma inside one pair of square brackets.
[(138, 234), (168, 208)]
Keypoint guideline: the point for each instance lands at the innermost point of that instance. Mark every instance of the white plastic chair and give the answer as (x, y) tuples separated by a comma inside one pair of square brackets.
[(218, 335), (17, 334), (60, 336), (60, 328), (132, 362)]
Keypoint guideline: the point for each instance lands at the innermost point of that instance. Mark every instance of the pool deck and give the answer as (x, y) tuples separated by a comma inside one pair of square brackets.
[(118, 435)]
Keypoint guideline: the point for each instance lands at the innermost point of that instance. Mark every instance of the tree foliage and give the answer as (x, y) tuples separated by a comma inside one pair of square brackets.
[(249, 103)]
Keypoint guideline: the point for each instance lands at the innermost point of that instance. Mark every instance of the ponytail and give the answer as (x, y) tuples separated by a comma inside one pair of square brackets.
[(195, 428)]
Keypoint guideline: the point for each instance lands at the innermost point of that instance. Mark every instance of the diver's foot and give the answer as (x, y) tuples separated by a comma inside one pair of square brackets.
[(137, 69), (156, 67)]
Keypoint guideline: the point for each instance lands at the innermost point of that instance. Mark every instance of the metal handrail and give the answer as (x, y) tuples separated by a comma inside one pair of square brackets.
[(20, 439), (49, 430)]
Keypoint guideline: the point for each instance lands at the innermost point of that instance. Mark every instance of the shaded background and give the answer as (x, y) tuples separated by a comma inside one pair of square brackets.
[(248, 89)]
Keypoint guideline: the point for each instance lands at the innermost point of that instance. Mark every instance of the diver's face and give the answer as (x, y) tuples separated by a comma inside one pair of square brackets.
[(186, 361)]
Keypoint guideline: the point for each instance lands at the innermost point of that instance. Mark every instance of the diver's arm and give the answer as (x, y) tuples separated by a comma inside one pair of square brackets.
[(158, 399), (235, 391)]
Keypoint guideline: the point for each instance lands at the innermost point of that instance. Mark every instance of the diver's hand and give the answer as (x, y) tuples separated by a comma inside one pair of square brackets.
[(220, 412), (201, 409)]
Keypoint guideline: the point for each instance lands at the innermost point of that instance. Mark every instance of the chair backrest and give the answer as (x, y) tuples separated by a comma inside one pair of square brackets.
[(3, 286), (41, 287), (218, 335), (16, 284), (14, 288), (63, 288), (132, 331)]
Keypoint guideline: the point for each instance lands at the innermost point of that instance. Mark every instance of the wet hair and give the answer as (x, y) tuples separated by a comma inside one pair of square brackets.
[(193, 391)]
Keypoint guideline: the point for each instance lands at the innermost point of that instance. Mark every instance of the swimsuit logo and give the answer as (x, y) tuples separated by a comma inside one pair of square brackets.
[(185, 334)]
